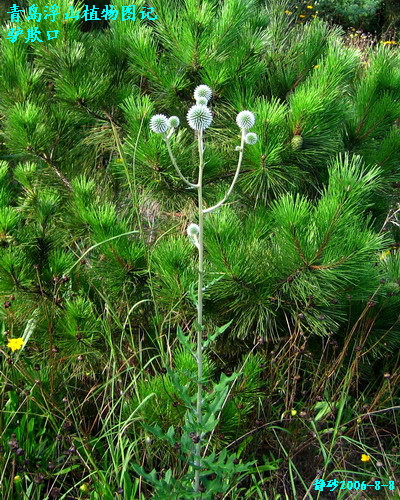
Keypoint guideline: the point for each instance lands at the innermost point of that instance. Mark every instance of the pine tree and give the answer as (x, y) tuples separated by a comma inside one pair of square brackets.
[(93, 217)]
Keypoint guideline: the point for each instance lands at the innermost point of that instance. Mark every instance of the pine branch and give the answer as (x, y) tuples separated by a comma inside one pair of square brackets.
[(297, 244), (108, 118), (329, 266), (328, 233), (40, 291), (51, 164)]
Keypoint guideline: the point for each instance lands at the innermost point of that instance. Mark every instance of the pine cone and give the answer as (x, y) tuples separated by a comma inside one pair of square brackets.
[(296, 142)]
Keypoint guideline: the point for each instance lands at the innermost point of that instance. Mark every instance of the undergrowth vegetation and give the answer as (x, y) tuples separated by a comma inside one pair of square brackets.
[(98, 276)]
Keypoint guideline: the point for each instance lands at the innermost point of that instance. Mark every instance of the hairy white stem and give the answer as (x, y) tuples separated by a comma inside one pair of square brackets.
[(200, 308), (166, 138), (208, 210)]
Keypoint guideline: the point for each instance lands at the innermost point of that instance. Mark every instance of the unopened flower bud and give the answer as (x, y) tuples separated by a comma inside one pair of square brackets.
[(251, 138), (193, 232), (173, 121), (201, 101)]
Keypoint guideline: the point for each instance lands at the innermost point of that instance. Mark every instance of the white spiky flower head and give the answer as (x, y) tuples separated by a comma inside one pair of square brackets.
[(203, 91), (245, 119), (251, 138), (173, 121), (199, 117), (159, 124), (202, 101)]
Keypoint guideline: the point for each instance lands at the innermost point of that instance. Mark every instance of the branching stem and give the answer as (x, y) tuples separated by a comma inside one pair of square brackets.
[(166, 138), (208, 210), (200, 246)]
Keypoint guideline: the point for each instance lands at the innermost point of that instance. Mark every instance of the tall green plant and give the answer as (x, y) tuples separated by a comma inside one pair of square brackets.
[(202, 417)]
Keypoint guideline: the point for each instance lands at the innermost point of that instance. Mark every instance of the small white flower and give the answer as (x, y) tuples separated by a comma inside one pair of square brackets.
[(199, 117), (251, 138), (173, 121), (159, 124), (202, 100), (193, 231), (203, 91), (238, 148), (245, 119)]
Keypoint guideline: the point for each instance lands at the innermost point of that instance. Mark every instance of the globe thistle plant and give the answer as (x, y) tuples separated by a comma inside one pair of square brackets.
[(193, 231), (245, 119), (202, 101), (173, 122), (202, 91), (251, 138), (199, 119), (159, 124)]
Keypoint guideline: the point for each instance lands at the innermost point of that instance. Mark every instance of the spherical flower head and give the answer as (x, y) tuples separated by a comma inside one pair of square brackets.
[(173, 122), (245, 119), (202, 100), (203, 91), (159, 124), (199, 117), (15, 344), (251, 138), (193, 232)]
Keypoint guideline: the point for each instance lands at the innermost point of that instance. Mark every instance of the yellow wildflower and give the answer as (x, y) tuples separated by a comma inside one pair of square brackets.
[(17, 479), (365, 458), (293, 413), (310, 7), (302, 15), (15, 344), (384, 254), (313, 16), (316, 66), (288, 12)]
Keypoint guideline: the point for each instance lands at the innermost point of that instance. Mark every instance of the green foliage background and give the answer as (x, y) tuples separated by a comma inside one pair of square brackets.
[(96, 270)]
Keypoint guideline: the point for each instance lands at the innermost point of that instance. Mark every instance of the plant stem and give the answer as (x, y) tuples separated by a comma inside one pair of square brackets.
[(200, 310), (176, 165), (208, 210)]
